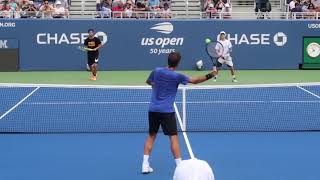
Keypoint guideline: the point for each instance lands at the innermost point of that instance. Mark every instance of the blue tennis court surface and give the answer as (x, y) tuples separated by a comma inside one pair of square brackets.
[(259, 133)]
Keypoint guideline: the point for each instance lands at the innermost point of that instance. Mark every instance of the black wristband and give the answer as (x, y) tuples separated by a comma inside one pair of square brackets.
[(209, 76)]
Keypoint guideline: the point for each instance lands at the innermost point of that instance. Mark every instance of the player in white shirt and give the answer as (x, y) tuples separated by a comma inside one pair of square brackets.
[(225, 57)]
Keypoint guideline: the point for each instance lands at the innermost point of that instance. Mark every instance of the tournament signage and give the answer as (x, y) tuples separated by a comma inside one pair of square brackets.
[(145, 44), (311, 53), (9, 55)]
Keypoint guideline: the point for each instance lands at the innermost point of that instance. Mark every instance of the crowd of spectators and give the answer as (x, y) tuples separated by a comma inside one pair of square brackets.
[(134, 8), (34, 9), (304, 8), (218, 9)]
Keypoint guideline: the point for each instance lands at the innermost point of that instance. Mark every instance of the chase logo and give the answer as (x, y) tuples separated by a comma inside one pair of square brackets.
[(280, 39), (165, 28), (102, 36), (68, 38)]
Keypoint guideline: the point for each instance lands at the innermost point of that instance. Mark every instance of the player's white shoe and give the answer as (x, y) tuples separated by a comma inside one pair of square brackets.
[(146, 169), (234, 80)]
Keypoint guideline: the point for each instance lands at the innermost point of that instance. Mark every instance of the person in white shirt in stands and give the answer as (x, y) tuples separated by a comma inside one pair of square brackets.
[(60, 11), (225, 58), (166, 12), (46, 9)]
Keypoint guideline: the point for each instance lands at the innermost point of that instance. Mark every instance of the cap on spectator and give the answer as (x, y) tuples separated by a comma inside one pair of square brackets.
[(58, 2), (222, 32), (227, 5), (30, 2), (211, 5)]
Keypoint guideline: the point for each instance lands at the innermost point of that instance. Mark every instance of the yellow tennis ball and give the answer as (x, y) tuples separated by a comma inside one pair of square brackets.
[(207, 40)]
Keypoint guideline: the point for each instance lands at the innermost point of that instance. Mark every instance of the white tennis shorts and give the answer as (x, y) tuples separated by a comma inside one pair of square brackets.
[(227, 60)]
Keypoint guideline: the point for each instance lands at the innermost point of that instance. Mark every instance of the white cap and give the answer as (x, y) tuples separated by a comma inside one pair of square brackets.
[(227, 5), (222, 32), (30, 2), (58, 2), (211, 5)]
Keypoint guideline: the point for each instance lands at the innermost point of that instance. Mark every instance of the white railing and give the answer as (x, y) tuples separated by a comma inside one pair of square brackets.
[(32, 14), (155, 15), (260, 15), (124, 15)]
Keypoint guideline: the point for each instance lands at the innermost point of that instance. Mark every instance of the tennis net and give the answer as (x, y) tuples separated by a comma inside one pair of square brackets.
[(40, 108)]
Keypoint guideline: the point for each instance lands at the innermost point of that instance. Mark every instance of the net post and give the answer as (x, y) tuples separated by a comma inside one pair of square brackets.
[(184, 112)]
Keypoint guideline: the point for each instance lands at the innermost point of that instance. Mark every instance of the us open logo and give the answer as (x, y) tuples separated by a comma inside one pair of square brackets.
[(161, 42)]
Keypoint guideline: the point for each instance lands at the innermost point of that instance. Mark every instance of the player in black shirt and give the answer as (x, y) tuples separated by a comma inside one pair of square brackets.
[(94, 44)]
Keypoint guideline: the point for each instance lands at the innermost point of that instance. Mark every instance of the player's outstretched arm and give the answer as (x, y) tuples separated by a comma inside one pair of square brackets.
[(200, 79)]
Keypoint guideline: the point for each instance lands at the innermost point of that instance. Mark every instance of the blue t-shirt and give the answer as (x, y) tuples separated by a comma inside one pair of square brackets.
[(165, 88)]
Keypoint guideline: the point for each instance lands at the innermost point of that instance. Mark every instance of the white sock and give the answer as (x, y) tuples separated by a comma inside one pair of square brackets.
[(178, 161), (146, 160), (233, 76)]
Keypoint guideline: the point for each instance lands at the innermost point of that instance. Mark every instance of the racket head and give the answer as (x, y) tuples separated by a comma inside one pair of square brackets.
[(215, 49)]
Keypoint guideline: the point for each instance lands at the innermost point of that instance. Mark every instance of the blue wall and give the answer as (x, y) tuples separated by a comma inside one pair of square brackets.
[(51, 44)]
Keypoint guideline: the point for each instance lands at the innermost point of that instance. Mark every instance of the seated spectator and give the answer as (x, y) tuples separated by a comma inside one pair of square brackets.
[(128, 9), (226, 11), (166, 12), (117, 9), (23, 5), (154, 5), (294, 6), (162, 2), (205, 5), (316, 4), (104, 8), (4, 10), (263, 7), (64, 3), (13, 8), (13, 5), (59, 11), (140, 10), (308, 10), (212, 11), (46, 9), (219, 5), (30, 12)]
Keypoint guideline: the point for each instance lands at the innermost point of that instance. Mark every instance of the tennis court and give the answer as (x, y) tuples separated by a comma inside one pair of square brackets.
[(249, 132)]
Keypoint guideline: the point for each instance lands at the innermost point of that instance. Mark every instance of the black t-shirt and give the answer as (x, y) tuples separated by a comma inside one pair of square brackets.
[(92, 43)]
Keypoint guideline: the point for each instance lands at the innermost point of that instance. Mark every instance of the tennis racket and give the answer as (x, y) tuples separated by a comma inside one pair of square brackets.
[(214, 50), (82, 48)]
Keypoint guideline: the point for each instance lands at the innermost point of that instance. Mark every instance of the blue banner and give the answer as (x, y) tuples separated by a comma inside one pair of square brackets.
[(143, 45), (9, 44)]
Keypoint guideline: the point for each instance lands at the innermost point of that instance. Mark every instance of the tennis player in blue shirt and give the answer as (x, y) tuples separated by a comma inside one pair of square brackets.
[(165, 82)]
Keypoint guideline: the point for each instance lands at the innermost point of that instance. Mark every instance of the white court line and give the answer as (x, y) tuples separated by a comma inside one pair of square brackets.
[(147, 102), (84, 103), (296, 101), (308, 91), (21, 101), (184, 133)]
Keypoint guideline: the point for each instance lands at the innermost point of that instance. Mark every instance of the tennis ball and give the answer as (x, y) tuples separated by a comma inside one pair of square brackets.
[(207, 40)]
